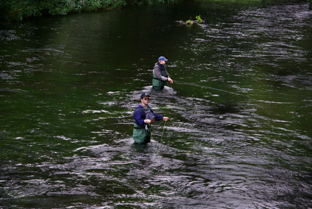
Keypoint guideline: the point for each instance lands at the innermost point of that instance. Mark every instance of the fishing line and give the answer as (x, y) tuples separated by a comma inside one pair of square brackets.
[(150, 129), (207, 87), (163, 132), (160, 142), (229, 92), (168, 84)]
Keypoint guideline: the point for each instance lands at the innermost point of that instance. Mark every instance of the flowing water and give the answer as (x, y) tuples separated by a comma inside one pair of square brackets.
[(240, 108)]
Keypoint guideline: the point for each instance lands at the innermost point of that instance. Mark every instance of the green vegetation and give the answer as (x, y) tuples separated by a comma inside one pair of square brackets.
[(191, 22), (198, 19), (19, 10)]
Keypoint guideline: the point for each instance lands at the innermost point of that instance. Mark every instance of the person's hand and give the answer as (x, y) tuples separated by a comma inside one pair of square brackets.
[(165, 118), (147, 121), (170, 80)]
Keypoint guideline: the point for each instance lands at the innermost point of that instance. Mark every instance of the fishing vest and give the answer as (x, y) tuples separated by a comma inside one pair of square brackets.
[(148, 115), (159, 84), (142, 134)]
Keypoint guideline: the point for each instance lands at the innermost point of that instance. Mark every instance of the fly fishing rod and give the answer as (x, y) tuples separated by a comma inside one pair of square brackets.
[(160, 142), (208, 87), (163, 132)]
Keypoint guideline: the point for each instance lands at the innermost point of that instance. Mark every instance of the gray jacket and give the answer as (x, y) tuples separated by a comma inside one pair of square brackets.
[(157, 73)]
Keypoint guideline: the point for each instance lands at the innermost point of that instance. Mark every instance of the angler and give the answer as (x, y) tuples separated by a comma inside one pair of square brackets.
[(160, 74), (143, 118)]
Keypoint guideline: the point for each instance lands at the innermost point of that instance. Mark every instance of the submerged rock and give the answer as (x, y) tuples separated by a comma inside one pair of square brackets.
[(191, 22)]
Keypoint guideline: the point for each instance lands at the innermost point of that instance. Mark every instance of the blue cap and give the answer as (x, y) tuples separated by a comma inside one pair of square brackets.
[(162, 58), (144, 95)]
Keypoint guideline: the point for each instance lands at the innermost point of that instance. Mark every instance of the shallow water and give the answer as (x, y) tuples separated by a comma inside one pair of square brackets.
[(239, 132)]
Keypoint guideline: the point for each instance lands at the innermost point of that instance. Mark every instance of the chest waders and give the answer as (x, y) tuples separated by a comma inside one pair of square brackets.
[(159, 84), (142, 134)]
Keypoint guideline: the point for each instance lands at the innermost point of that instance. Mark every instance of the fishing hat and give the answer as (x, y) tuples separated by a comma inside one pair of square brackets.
[(162, 58), (144, 95)]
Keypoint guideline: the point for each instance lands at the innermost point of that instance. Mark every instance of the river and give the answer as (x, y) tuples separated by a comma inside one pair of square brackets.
[(240, 108)]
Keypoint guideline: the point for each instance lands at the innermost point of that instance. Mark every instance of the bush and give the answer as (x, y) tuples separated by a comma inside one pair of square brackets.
[(19, 10)]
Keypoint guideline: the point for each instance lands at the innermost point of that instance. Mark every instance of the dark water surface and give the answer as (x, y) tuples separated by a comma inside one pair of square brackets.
[(239, 134)]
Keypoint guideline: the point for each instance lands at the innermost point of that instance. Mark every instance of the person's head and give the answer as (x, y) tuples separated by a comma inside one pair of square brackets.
[(162, 60), (145, 98)]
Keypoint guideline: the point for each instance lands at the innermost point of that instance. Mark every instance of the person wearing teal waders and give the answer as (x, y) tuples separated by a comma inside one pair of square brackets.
[(143, 117), (160, 74)]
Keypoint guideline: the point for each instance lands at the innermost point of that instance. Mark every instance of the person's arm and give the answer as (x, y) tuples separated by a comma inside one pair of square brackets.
[(165, 118), (170, 80), (157, 117), (160, 117), (137, 116)]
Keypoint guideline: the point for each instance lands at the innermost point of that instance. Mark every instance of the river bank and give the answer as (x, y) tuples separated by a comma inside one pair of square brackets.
[(20, 10)]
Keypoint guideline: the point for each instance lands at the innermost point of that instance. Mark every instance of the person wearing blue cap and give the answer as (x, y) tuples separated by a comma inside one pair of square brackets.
[(160, 74), (143, 118)]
